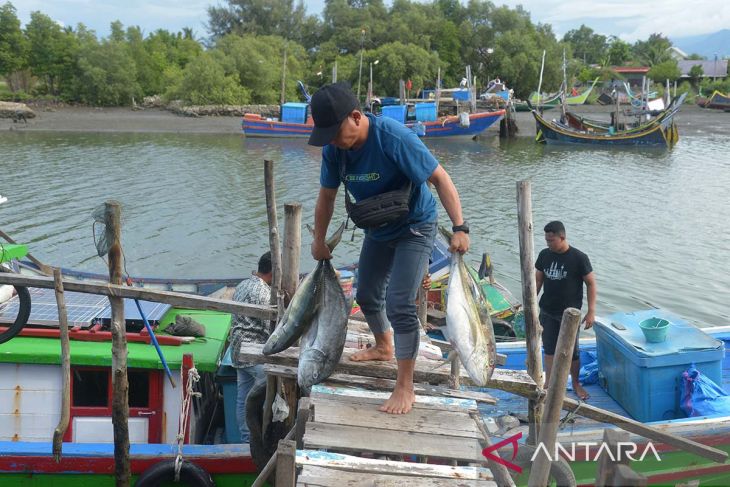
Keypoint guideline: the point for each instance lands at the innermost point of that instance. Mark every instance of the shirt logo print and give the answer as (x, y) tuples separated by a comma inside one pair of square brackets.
[(555, 274), (362, 178)]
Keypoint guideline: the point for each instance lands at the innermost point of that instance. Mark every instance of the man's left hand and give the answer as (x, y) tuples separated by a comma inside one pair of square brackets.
[(589, 318), (459, 242)]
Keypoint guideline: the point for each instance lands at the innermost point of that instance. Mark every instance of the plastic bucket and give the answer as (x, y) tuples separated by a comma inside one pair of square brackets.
[(654, 329)]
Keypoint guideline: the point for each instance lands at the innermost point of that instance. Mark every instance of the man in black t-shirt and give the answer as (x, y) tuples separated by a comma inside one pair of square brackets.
[(562, 270)]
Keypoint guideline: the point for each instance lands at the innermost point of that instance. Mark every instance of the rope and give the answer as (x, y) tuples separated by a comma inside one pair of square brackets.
[(188, 394)]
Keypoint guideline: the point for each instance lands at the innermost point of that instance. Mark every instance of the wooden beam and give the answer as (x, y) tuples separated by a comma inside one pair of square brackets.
[(370, 466), (651, 433), (65, 368), (276, 296), (429, 371), (292, 249), (499, 470), (179, 300), (378, 384), (286, 471), (533, 330), (540, 471), (120, 380)]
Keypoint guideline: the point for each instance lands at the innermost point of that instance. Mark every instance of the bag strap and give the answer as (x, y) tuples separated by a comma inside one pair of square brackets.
[(406, 189)]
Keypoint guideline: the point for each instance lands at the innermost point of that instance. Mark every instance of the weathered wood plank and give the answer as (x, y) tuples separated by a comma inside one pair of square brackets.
[(430, 371), (427, 421), (375, 398), (338, 461), (312, 476), (652, 433), (286, 474), (179, 300), (373, 439), (378, 384)]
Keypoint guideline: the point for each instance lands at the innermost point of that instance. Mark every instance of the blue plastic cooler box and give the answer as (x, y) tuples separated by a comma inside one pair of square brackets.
[(228, 380), (645, 377)]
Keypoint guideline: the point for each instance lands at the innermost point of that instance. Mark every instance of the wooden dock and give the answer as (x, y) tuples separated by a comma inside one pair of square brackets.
[(343, 440)]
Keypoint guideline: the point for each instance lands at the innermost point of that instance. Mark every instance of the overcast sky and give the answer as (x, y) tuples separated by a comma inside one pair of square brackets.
[(628, 19)]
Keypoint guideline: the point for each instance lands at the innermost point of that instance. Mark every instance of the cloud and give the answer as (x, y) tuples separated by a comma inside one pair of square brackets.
[(630, 20)]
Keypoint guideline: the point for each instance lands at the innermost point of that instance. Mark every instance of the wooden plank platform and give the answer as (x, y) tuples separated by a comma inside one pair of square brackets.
[(354, 433), (428, 371), (377, 384)]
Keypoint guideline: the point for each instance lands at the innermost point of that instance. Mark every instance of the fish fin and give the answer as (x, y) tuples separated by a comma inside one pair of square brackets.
[(450, 358), (334, 238)]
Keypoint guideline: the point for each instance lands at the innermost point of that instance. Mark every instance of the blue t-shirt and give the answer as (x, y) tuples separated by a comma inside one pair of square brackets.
[(391, 153)]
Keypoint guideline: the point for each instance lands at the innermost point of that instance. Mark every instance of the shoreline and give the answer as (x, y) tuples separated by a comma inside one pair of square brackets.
[(692, 120)]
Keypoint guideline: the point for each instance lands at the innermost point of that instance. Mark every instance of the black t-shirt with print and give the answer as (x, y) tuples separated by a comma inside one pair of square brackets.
[(563, 283)]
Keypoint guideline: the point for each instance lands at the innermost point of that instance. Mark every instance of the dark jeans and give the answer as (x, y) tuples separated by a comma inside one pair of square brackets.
[(389, 274)]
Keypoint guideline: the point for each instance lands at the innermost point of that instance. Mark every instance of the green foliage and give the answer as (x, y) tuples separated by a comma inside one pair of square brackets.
[(12, 42), (666, 70), (587, 45), (259, 17), (695, 73), (107, 75), (51, 52), (653, 51), (205, 82), (258, 61), (403, 62), (619, 52)]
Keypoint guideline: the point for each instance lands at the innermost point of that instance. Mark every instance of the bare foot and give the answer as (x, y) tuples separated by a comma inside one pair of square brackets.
[(384, 354), (400, 401), (580, 392)]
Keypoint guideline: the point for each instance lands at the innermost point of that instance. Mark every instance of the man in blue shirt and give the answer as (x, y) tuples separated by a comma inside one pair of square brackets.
[(375, 155)]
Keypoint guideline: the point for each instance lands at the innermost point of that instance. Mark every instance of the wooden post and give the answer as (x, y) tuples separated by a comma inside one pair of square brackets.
[(533, 330), (292, 249), (273, 234), (286, 472), (555, 394), (120, 382), (500, 472), (65, 368), (613, 467)]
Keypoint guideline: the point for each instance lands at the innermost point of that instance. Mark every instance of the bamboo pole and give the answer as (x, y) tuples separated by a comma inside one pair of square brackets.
[(292, 249), (120, 382), (180, 300), (556, 393), (533, 330), (273, 235), (65, 368)]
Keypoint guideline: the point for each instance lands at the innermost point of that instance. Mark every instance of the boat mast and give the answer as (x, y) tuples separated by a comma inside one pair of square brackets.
[(539, 84), (283, 76), (564, 89), (359, 76)]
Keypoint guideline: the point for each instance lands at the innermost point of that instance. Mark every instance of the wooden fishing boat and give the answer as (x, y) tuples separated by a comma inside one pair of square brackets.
[(663, 370), (659, 131), (30, 388), (555, 99), (476, 123), (718, 101)]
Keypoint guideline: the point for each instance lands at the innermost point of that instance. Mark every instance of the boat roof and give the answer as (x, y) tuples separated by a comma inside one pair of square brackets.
[(207, 351)]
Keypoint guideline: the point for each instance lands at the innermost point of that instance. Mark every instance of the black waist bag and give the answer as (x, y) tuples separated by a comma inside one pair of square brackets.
[(379, 210)]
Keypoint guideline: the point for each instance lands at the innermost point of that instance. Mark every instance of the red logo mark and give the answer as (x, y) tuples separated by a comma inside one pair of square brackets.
[(487, 452)]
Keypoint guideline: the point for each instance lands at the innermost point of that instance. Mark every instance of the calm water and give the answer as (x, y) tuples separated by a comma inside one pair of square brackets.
[(654, 222)]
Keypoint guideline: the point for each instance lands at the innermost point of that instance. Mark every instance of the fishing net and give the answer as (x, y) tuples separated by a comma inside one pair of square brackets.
[(103, 233)]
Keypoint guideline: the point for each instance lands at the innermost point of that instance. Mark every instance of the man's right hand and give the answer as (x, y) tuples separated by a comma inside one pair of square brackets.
[(320, 251)]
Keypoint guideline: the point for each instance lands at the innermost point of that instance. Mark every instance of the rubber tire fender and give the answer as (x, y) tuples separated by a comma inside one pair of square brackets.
[(262, 444), (159, 473), (23, 314), (560, 472)]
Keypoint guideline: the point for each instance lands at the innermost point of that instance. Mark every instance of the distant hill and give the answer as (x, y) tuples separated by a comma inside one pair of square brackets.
[(706, 45)]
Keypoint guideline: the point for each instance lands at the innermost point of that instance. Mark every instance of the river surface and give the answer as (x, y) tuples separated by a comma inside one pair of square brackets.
[(655, 223)]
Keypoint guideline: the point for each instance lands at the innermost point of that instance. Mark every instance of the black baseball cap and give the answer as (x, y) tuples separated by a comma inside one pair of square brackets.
[(331, 104)]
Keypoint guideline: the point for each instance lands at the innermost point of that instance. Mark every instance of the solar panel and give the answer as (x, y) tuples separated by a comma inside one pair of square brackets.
[(82, 310), (152, 311)]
